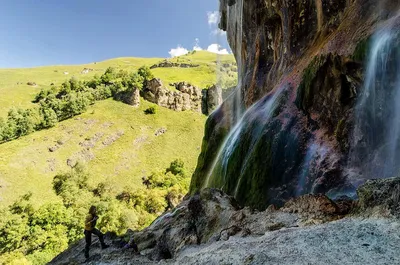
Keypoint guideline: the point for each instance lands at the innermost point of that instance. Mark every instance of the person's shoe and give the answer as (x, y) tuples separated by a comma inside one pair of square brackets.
[(105, 246)]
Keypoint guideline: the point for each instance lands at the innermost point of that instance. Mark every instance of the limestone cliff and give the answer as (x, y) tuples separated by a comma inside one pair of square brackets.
[(286, 129)]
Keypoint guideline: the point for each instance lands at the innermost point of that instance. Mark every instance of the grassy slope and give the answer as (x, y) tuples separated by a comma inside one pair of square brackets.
[(13, 94), (27, 164)]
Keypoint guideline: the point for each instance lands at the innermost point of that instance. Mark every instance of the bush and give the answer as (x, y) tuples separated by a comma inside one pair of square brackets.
[(146, 73), (151, 110), (177, 167), (48, 117), (109, 76)]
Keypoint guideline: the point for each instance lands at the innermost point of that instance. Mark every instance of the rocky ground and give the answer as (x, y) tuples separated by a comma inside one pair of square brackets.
[(210, 228)]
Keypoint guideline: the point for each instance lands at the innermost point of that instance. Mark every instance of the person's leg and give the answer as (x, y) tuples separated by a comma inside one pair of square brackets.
[(88, 239), (101, 237), (135, 247)]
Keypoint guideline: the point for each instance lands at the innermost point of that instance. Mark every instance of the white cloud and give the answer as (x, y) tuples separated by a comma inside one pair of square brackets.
[(178, 51), (213, 17), (216, 48), (218, 32), (197, 46)]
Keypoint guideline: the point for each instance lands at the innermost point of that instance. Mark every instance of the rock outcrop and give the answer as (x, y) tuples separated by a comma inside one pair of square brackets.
[(213, 98), (184, 97), (286, 130), (169, 64), (132, 97), (86, 71), (382, 196)]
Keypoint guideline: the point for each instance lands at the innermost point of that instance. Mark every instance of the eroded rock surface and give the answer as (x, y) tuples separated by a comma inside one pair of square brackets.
[(184, 97), (311, 56)]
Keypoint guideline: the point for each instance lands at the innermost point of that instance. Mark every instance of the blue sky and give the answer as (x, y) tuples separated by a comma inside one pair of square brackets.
[(52, 32)]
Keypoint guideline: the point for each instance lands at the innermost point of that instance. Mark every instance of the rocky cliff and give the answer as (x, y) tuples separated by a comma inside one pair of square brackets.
[(184, 97), (288, 128)]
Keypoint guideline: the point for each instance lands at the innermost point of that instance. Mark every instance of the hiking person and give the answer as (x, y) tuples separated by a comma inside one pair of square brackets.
[(90, 228)]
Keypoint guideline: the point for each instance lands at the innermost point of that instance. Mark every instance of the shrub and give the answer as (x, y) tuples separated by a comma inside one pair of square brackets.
[(150, 110), (177, 167), (109, 76), (146, 73), (48, 117)]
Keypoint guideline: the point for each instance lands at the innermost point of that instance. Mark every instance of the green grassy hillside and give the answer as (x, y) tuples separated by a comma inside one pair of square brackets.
[(116, 142), (14, 91)]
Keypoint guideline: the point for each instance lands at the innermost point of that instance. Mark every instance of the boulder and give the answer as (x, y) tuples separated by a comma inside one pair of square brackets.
[(86, 70), (134, 99), (381, 194)]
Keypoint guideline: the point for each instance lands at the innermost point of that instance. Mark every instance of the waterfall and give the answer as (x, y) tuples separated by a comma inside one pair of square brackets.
[(376, 146), (256, 117), (313, 159), (235, 28)]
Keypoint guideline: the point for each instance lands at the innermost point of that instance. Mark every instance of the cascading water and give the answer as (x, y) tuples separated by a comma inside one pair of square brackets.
[(376, 141), (256, 117), (235, 28), (315, 155)]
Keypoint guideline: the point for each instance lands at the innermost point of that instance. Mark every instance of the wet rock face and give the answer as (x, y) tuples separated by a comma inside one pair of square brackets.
[(284, 155), (275, 34), (306, 48), (327, 95)]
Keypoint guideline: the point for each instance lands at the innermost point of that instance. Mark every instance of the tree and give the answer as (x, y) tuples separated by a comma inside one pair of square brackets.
[(177, 167), (109, 76), (2, 127), (75, 104), (41, 95), (146, 73), (94, 82), (21, 122), (48, 117), (136, 81), (51, 102)]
